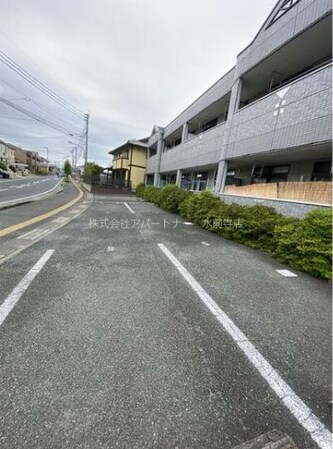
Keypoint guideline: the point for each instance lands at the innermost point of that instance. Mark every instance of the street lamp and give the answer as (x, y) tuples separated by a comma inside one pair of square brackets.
[(47, 160)]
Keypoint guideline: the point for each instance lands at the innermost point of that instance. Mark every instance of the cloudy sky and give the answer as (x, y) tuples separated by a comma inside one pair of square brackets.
[(131, 63)]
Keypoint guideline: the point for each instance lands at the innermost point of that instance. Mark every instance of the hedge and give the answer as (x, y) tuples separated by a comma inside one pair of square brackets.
[(304, 244)]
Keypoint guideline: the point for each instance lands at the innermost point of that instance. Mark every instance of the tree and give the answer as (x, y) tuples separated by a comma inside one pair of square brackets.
[(3, 166), (92, 169), (67, 168)]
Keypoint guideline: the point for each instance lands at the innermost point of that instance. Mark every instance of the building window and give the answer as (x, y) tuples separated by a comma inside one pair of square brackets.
[(277, 173), (322, 171), (210, 124)]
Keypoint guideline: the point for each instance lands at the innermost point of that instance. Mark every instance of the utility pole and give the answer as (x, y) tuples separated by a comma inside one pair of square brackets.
[(47, 160), (86, 148)]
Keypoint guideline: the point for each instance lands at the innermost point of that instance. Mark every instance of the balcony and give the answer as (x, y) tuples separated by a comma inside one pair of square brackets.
[(198, 151), (303, 15), (120, 162), (297, 114)]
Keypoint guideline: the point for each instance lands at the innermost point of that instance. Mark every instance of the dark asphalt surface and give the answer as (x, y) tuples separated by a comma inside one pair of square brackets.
[(21, 188), (23, 212), (109, 346)]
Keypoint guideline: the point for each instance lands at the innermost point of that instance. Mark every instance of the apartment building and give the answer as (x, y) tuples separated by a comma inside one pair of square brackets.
[(7, 154), (268, 120), (129, 163)]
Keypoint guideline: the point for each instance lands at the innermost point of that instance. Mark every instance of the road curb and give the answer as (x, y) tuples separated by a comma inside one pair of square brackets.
[(31, 221), (59, 187)]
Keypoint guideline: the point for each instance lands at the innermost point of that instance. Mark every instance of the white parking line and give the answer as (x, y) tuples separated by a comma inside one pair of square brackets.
[(296, 406), (205, 243), (129, 208), (187, 223), (287, 273), (9, 303)]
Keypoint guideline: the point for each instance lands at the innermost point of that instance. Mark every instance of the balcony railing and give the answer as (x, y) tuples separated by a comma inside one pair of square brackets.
[(298, 114), (200, 150)]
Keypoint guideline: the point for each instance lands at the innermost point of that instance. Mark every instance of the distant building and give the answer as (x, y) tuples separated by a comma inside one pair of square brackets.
[(7, 154), (13, 156), (129, 163)]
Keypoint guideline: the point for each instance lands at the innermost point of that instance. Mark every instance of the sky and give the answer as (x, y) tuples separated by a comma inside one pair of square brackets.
[(129, 63)]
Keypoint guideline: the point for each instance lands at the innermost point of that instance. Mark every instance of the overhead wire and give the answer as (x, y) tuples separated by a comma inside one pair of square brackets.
[(17, 68)]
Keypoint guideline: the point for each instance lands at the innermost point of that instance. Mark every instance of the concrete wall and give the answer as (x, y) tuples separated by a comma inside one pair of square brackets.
[(289, 208)]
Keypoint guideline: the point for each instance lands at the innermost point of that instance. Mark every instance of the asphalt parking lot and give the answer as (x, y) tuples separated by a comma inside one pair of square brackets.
[(131, 328)]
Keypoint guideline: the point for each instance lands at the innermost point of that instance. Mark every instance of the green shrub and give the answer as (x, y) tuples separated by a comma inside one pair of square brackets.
[(307, 244), (150, 193), (196, 207), (170, 197), (304, 244), (140, 189)]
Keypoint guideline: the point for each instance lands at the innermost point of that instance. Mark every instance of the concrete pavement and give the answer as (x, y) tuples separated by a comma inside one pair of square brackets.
[(110, 346)]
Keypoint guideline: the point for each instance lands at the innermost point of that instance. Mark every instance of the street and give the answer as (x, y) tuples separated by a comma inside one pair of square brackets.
[(131, 328), (12, 190)]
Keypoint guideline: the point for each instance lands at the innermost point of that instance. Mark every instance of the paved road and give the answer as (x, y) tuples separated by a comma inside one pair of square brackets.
[(15, 189), (23, 212), (112, 345)]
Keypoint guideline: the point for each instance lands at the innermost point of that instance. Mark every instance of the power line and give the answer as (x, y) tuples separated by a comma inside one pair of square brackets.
[(38, 84), (38, 118)]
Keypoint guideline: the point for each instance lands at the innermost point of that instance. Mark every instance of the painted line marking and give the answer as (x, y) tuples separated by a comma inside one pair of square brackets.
[(187, 223), (27, 235), (1, 256), (205, 243), (287, 273), (82, 205), (32, 235), (42, 232), (110, 248), (59, 220), (9, 303), (39, 218), (296, 406), (129, 208)]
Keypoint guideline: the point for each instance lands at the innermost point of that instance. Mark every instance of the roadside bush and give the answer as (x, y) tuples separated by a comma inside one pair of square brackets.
[(140, 189), (170, 197), (150, 193), (307, 244), (304, 244), (196, 207)]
